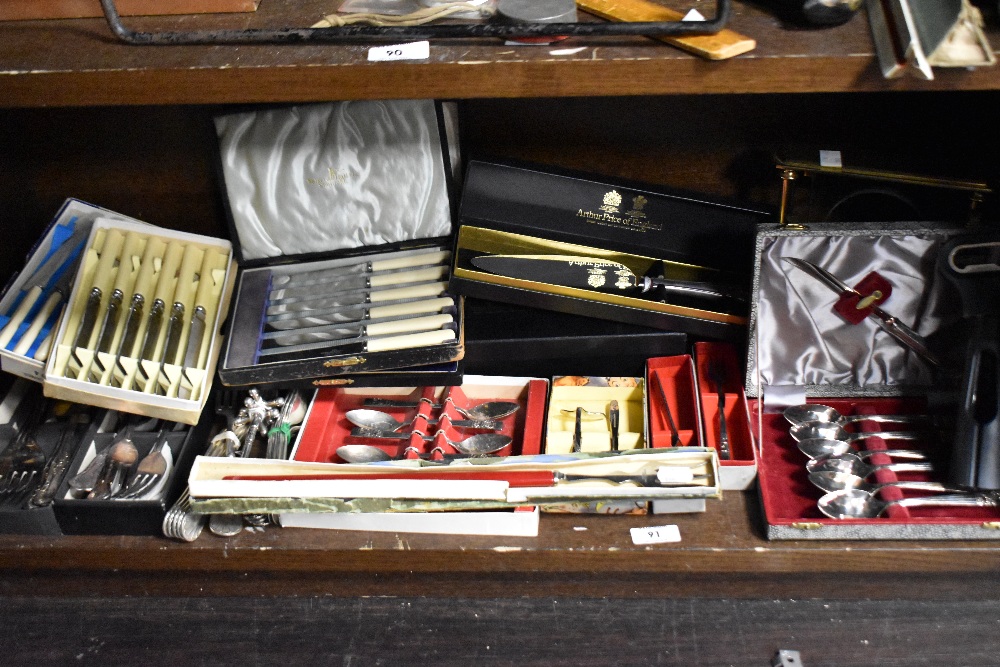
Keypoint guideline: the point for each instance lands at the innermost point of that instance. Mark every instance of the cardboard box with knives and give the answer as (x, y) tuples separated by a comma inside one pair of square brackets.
[(871, 397), (626, 252), (141, 330), (345, 263)]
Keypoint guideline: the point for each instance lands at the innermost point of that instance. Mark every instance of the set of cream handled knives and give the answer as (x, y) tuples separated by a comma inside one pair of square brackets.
[(140, 318), (380, 304)]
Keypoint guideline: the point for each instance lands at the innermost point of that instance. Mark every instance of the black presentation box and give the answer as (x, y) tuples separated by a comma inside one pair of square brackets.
[(516, 209)]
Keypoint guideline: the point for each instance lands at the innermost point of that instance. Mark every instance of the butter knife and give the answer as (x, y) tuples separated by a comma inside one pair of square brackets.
[(889, 323)]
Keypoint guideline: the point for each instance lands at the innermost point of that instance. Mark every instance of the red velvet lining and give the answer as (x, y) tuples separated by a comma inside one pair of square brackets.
[(677, 378), (327, 428)]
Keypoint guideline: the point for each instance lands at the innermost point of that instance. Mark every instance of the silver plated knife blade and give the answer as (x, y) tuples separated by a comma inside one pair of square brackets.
[(87, 323), (356, 298), (591, 273), (132, 322), (363, 334), (152, 336), (889, 323), (319, 276), (358, 314), (196, 334), (172, 343)]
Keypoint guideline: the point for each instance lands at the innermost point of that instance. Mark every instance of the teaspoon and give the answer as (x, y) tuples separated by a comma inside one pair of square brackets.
[(817, 463), (831, 431), (383, 422), (855, 504), (851, 464), (838, 481), (815, 412), (821, 448)]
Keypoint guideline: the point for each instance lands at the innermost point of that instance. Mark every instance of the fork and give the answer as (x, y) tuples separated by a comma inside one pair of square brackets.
[(25, 473), (148, 473), (717, 375)]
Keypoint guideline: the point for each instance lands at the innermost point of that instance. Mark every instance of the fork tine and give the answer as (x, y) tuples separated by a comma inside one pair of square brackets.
[(139, 486)]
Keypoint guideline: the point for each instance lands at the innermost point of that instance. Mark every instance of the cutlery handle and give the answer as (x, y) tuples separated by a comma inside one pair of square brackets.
[(906, 336), (888, 419), (957, 500), (420, 259)]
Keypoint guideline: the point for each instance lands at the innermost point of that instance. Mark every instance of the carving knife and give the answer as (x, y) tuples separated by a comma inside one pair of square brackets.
[(58, 266), (154, 322), (133, 321), (365, 333), (196, 330), (591, 273), (183, 291), (109, 327), (330, 291), (322, 276), (890, 324), (351, 300), (362, 317), (102, 277)]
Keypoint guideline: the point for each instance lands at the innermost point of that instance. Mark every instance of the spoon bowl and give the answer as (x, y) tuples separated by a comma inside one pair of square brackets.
[(816, 412), (853, 465), (380, 421), (830, 481), (821, 448), (362, 454), (857, 504), (833, 431)]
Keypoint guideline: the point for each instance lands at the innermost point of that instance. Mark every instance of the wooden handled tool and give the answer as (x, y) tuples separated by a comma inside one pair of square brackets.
[(724, 44)]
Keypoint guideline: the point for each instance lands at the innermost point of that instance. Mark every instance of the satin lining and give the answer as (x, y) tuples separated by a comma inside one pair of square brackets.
[(802, 341), (321, 177)]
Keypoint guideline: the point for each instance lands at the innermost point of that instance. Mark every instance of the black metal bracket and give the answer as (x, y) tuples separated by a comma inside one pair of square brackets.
[(361, 32)]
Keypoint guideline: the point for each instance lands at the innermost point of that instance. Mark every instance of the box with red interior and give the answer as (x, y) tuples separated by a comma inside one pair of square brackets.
[(853, 393)]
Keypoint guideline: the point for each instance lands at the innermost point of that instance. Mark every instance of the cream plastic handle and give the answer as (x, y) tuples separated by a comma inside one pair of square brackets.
[(17, 318), (213, 257), (185, 279), (132, 243), (41, 318), (430, 289), (411, 308), (408, 325), (109, 253), (144, 281), (417, 276), (424, 339), (168, 269), (422, 259)]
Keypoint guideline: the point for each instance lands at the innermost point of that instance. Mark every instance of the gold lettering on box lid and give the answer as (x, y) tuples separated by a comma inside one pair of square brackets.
[(609, 213)]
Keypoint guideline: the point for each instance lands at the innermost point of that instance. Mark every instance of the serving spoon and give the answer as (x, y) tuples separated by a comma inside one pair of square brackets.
[(821, 448), (857, 504), (383, 422), (816, 412), (853, 465), (838, 481), (832, 431)]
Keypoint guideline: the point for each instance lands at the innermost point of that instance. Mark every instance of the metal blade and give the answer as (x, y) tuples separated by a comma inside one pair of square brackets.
[(329, 331), (89, 319), (570, 271), (107, 335), (152, 335), (132, 322), (824, 276), (60, 258), (170, 347), (196, 335), (362, 333)]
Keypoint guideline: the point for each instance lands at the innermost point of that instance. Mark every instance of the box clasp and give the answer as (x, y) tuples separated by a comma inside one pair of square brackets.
[(991, 525), (332, 382), (807, 525), (339, 363)]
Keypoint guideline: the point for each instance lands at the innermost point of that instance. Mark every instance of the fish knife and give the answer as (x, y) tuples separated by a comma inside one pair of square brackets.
[(890, 324), (592, 273)]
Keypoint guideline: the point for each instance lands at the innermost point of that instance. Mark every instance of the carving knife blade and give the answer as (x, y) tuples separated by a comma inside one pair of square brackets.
[(890, 324), (591, 273)]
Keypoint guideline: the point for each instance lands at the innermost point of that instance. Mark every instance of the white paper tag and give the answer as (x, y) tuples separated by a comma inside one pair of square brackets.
[(693, 15), (656, 534), (674, 475), (830, 159), (412, 51)]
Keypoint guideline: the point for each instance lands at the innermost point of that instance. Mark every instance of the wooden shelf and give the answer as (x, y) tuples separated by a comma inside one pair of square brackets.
[(722, 554), (79, 62)]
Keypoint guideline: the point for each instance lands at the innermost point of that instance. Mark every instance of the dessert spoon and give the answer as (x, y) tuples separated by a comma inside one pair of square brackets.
[(815, 412), (821, 448), (855, 504)]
